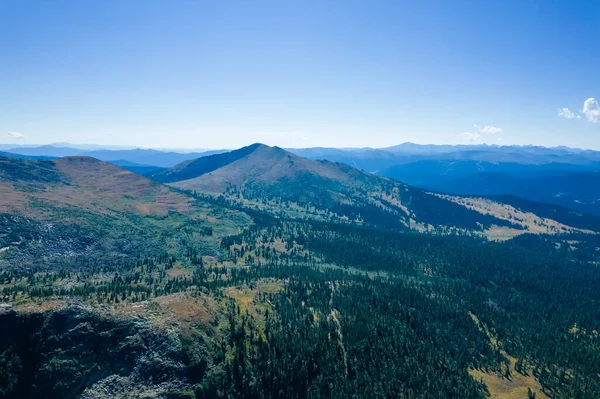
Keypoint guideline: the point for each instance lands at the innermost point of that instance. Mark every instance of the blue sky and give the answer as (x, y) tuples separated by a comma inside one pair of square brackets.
[(224, 74)]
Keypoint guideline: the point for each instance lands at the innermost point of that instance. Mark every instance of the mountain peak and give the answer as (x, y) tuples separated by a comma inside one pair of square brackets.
[(265, 148), (197, 167)]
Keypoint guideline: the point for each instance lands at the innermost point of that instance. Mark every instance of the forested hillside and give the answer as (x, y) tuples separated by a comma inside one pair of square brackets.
[(280, 183), (112, 285)]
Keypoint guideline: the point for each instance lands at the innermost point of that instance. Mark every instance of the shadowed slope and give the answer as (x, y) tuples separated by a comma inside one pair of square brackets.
[(274, 180), (269, 165), (197, 167)]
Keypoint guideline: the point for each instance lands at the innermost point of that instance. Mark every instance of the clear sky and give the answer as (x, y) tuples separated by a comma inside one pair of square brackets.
[(223, 74)]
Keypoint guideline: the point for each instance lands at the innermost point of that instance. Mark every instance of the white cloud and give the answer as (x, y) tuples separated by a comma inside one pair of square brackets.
[(468, 136), (566, 113), (15, 135), (488, 129), (591, 110)]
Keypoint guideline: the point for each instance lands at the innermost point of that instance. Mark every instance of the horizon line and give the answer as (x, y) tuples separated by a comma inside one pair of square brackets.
[(112, 147)]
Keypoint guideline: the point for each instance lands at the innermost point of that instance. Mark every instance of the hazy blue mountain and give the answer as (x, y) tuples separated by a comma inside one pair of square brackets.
[(378, 160), (20, 156), (92, 147), (144, 156), (367, 159), (432, 172), (134, 167), (428, 149), (148, 157), (575, 186), (46, 150), (576, 190)]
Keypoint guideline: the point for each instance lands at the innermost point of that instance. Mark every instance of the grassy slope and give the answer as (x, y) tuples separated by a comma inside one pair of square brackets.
[(84, 183), (267, 166), (533, 219), (82, 206), (275, 180), (197, 167)]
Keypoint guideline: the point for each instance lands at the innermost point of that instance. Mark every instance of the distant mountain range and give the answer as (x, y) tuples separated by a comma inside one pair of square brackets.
[(375, 160), (141, 157), (98, 196), (426, 150), (560, 175), (20, 156), (368, 159)]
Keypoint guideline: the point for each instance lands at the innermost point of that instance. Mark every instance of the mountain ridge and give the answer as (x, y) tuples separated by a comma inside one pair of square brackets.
[(406, 162), (270, 178), (199, 166), (149, 157)]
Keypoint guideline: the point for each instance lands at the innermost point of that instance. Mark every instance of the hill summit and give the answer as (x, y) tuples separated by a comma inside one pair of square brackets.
[(259, 164), (284, 184)]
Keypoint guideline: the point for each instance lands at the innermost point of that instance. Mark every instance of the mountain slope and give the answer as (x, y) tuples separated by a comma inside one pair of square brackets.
[(261, 165), (85, 183), (272, 179), (569, 185), (368, 159), (135, 167), (579, 191), (197, 167), (80, 206)]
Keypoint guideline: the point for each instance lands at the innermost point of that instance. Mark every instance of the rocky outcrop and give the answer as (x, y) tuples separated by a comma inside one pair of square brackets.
[(79, 353)]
